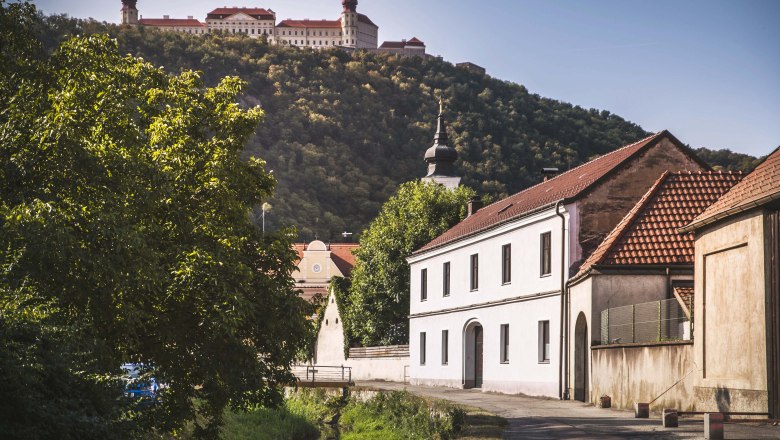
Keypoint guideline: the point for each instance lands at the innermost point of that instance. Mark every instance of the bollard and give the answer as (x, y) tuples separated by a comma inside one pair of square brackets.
[(641, 410), (713, 426), (605, 401), (669, 419)]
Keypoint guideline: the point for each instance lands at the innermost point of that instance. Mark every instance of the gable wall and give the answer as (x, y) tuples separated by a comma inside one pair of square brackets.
[(603, 208)]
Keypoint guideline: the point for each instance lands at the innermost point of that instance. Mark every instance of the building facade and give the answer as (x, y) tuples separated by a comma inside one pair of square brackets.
[(351, 30), (737, 344), (643, 269), (411, 47), (486, 296)]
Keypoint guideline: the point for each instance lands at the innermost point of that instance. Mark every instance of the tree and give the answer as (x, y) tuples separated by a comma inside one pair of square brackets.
[(125, 237), (379, 294)]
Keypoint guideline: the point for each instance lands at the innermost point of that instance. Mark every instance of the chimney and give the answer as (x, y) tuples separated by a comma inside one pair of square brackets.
[(166, 17), (190, 17), (549, 173), (475, 204)]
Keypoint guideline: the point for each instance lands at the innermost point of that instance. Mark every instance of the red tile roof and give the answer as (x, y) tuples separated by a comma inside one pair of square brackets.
[(565, 187), (171, 22), (258, 13), (311, 293), (758, 188), (648, 234), (341, 254), (319, 24), (414, 42)]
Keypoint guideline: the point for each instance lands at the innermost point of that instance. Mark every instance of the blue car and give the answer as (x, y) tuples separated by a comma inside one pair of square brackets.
[(138, 389)]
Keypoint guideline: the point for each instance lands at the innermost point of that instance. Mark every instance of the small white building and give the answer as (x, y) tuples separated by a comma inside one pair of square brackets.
[(486, 295)]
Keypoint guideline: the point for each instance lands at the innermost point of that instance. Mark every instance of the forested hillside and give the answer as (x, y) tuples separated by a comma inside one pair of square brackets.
[(343, 130)]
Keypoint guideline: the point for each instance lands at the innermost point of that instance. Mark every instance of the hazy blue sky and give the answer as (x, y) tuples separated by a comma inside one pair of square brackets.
[(709, 71)]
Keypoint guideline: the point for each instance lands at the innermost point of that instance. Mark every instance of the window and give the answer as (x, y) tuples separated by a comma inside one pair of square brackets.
[(475, 272), (504, 343), (422, 348), (544, 342), (506, 264), (445, 347), (446, 279), (424, 285), (545, 255)]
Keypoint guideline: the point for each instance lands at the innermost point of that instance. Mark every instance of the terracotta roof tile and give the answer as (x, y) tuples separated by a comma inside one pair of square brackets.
[(318, 24), (567, 186), (648, 234), (341, 254), (172, 22), (258, 13), (758, 188)]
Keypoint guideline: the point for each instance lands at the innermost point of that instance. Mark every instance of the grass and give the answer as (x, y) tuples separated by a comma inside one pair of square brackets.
[(481, 424), (268, 424)]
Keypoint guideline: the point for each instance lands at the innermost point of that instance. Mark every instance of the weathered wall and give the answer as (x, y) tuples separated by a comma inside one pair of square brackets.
[(631, 373), (603, 208), (730, 331), (384, 368)]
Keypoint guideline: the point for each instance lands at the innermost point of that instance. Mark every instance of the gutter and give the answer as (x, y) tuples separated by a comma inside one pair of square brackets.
[(729, 212), (561, 394)]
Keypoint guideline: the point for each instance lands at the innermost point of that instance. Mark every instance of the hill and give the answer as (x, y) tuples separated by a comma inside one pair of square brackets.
[(343, 130)]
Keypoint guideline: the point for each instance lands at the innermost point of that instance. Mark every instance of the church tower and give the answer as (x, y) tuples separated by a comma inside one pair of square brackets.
[(129, 12), (441, 157), (349, 23)]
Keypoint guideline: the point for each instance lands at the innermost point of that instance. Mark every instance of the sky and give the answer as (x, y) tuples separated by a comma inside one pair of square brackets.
[(706, 70)]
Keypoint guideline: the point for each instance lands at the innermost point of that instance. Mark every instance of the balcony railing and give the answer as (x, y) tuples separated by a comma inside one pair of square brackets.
[(654, 321)]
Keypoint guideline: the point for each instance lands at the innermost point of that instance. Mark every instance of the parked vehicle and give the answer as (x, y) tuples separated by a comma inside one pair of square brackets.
[(136, 388)]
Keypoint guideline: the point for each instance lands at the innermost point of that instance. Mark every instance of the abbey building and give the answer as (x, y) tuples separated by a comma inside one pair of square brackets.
[(350, 30)]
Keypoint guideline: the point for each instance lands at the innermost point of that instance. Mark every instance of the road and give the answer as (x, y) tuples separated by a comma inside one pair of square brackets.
[(532, 418)]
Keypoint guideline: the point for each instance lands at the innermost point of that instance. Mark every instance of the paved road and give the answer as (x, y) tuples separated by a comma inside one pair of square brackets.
[(543, 419)]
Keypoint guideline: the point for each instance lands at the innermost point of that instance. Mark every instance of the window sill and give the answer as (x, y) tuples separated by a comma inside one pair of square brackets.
[(474, 290), (544, 362), (424, 300), (445, 296), (506, 283), (444, 364), (545, 275), (504, 362)]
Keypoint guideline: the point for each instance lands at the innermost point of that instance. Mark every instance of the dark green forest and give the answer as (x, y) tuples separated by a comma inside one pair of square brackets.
[(343, 130)]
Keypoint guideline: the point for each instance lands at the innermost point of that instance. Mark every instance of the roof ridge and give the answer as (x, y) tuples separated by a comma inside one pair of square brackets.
[(647, 139)]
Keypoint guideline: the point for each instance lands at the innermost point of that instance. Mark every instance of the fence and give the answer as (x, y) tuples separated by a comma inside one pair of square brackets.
[(379, 352), (653, 321), (323, 373)]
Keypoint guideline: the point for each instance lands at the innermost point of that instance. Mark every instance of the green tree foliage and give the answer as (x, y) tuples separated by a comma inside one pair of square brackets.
[(344, 130), (379, 294), (728, 160), (125, 237)]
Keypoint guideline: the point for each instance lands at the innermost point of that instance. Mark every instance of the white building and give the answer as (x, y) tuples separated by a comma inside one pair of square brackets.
[(486, 295), (254, 22)]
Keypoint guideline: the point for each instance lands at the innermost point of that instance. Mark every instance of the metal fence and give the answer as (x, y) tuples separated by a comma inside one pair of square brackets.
[(653, 321), (323, 373)]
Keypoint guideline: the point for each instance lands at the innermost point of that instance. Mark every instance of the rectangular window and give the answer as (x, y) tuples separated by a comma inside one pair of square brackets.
[(506, 264), (504, 343), (445, 347), (475, 272), (422, 348), (544, 341), (545, 254), (446, 279), (424, 285)]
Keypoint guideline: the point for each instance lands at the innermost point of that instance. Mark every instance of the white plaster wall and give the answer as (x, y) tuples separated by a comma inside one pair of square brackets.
[(330, 339), (385, 368), (522, 374), (523, 235)]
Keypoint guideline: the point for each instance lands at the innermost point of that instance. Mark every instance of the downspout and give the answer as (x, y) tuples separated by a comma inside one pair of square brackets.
[(558, 204)]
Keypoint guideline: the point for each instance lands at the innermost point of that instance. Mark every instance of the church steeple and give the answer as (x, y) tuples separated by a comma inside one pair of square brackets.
[(441, 157), (349, 5), (129, 12)]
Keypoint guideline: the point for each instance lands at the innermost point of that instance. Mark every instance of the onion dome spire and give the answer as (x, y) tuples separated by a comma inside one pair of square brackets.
[(441, 157)]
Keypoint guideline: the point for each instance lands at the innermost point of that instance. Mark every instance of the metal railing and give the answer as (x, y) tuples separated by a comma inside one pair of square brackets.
[(653, 321), (323, 373)]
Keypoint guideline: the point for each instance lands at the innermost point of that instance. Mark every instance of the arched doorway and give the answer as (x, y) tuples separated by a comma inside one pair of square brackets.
[(581, 358), (472, 351)]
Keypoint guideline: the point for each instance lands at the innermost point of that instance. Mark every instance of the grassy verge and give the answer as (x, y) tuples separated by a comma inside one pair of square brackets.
[(311, 414)]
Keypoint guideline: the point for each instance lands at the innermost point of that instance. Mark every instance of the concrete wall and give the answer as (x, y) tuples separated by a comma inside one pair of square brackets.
[(631, 373), (730, 330), (381, 368)]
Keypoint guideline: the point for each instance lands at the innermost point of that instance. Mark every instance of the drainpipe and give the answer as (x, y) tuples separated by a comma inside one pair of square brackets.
[(558, 204)]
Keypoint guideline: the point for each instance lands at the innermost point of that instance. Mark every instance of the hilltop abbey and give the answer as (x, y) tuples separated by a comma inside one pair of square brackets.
[(351, 30)]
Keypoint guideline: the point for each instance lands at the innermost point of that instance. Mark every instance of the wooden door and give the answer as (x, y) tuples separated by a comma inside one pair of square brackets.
[(478, 356)]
